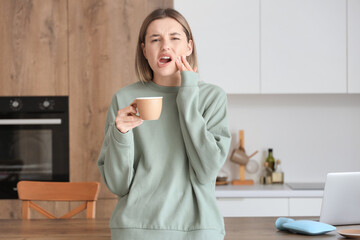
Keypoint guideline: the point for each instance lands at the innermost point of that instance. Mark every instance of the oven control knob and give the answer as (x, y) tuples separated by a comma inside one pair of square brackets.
[(46, 104), (15, 104)]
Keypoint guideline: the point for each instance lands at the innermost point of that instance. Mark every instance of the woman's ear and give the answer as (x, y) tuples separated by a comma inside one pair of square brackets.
[(143, 49), (190, 48)]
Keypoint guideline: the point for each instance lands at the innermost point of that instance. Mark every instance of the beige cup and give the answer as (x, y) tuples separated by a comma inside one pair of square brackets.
[(239, 156), (149, 108)]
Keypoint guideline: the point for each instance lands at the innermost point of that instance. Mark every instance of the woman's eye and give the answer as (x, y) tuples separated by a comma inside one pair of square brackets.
[(176, 38), (154, 40)]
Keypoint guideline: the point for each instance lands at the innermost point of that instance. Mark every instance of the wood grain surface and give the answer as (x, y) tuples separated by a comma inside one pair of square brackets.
[(102, 43), (81, 48), (250, 228), (34, 47)]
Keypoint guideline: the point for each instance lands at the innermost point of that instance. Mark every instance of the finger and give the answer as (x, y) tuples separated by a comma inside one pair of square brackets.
[(125, 111), (128, 126), (133, 111), (124, 124), (130, 118), (195, 69), (137, 124), (179, 64), (133, 104), (132, 108), (121, 121), (132, 125), (186, 63)]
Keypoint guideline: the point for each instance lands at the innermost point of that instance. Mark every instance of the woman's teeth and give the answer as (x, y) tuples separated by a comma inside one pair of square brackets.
[(165, 60)]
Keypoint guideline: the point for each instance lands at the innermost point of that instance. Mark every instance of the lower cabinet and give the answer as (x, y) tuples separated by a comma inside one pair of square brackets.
[(253, 207), (269, 207), (305, 206)]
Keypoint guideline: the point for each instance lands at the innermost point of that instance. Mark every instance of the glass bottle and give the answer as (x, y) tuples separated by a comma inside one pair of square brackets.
[(265, 177), (278, 175), (270, 159)]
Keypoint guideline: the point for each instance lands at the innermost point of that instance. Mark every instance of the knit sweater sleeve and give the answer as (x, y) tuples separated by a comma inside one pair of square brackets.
[(206, 134), (116, 157)]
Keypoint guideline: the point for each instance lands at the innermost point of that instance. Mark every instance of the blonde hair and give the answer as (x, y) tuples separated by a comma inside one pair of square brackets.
[(142, 67)]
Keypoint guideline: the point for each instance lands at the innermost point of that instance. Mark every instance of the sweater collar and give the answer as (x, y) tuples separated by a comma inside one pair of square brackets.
[(163, 88)]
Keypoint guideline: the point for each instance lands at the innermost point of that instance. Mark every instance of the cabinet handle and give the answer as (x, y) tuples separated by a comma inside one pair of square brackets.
[(50, 121)]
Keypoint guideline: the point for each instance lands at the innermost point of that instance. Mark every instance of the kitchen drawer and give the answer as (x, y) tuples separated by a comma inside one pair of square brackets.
[(305, 206), (253, 207)]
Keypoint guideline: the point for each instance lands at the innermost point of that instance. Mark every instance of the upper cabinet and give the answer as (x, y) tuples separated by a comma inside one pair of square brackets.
[(277, 46), (354, 46), (226, 34), (303, 46), (34, 44)]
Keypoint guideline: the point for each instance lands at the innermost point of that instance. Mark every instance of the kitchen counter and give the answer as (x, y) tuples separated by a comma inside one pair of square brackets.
[(264, 191), (98, 229)]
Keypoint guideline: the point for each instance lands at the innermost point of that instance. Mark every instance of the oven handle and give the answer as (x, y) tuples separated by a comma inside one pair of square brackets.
[(49, 121)]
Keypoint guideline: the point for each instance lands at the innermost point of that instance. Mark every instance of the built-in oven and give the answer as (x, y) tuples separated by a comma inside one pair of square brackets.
[(34, 141)]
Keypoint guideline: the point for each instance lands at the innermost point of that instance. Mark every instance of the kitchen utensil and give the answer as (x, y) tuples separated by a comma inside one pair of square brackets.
[(252, 166), (239, 156)]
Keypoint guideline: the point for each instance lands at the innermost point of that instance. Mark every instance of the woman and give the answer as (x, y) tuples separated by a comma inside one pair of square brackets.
[(164, 171)]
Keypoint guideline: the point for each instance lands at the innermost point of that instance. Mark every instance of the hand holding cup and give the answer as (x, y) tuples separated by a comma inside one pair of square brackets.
[(126, 118), (149, 108)]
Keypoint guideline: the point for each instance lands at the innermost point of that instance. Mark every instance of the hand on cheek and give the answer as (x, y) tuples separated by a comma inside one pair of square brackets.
[(183, 65)]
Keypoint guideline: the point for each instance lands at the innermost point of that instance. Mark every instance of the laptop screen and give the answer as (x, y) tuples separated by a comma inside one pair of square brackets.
[(341, 201)]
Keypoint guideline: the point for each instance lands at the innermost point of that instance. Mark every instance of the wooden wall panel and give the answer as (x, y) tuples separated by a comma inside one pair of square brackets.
[(10, 209), (102, 40), (81, 48), (33, 40)]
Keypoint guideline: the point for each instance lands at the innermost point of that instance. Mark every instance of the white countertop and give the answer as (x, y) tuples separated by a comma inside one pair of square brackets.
[(264, 191)]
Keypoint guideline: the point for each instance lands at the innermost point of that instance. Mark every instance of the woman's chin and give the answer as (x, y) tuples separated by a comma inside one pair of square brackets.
[(168, 72)]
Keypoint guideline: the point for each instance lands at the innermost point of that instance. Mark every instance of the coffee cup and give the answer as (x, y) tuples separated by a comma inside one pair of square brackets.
[(149, 108), (239, 156)]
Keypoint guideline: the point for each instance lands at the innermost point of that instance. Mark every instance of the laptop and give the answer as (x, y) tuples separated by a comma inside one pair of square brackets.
[(341, 201)]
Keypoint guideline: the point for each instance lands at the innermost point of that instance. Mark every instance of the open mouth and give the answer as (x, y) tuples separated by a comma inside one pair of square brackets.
[(165, 59)]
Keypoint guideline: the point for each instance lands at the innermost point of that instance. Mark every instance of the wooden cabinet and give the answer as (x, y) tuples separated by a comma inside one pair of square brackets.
[(33, 40), (227, 40), (303, 46), (353, 46)]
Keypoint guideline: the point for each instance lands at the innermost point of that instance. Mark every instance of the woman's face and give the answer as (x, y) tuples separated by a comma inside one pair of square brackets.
[(165, 40)]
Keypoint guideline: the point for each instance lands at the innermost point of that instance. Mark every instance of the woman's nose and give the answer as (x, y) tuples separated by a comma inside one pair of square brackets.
[(165, 45)]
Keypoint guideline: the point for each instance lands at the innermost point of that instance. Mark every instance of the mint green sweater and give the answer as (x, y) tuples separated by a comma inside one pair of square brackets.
[(164, 171)]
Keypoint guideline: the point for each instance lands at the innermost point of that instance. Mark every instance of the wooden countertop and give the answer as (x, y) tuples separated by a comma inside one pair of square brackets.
[(252, 228)]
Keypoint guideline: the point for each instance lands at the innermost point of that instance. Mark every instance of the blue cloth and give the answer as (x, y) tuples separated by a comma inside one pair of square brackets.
[(307, 227)]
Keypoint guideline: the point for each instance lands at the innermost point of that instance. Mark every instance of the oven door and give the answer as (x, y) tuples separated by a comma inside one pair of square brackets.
[(33, 149)]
